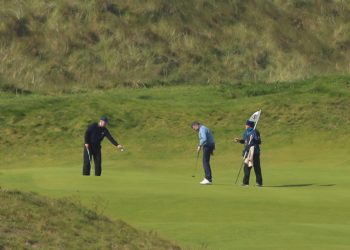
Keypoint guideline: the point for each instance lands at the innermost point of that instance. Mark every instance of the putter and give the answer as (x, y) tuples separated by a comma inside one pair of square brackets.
[(88, 151), (196, 167), (89, 155)]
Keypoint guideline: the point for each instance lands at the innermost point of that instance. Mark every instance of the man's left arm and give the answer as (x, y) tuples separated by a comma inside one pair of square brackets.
[(202, 137), (257, 136), (110, 138)]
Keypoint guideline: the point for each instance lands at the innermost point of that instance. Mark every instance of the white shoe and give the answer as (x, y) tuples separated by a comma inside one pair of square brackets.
[(205, 182)]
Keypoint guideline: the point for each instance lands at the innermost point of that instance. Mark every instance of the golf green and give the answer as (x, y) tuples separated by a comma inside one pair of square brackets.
[(303, 205)]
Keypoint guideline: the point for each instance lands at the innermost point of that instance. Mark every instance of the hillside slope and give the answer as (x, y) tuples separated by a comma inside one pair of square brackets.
[(63, 45), (29, 221), (154, 123)]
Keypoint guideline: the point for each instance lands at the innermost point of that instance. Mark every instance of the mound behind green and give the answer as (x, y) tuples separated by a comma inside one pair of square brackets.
[(63, 45)]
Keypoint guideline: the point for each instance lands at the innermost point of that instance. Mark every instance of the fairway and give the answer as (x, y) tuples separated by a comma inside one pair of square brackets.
[(304, 203)]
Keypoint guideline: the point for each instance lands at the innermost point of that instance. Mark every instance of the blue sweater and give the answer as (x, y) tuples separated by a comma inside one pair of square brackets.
[(205, 136)]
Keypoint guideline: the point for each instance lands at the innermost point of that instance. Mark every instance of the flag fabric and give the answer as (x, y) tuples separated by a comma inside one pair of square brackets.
[(255, 117)]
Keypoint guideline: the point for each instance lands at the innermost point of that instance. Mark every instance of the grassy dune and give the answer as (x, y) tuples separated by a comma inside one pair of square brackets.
[(303, 205), (73, 46)]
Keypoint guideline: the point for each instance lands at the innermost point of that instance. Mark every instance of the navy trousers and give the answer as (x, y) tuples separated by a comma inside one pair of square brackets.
[(95, 153), (257, 170), (208, 150)]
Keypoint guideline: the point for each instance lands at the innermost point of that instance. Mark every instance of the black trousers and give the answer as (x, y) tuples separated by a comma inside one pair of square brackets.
[(95, 153), (257, 170), (207, 152)]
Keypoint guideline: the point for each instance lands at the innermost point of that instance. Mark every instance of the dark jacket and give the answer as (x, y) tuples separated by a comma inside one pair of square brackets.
[(251, 138), (95, 134)]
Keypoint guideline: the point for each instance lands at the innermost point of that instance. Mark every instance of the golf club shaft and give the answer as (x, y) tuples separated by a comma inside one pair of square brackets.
[(196, 167), (88, 151), (90, 158)]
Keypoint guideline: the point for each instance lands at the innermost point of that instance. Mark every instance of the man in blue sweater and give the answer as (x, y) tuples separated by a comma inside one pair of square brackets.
[(207, 143), (251, 153)]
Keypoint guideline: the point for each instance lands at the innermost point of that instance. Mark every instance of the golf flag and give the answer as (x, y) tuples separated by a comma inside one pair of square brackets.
[(255, 117)]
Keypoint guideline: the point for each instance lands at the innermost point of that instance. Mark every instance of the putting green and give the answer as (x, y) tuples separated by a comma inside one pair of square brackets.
[(304, 204)]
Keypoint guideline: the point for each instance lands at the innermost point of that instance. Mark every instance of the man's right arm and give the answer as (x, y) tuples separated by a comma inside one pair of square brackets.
[(88, 134), (241, 141)]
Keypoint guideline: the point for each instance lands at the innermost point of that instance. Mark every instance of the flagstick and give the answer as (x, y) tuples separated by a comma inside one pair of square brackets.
[(240, 170), (258, 119)]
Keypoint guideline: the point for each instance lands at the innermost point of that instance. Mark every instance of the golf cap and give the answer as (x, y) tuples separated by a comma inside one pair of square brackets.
[(250, 123), (104, 118)]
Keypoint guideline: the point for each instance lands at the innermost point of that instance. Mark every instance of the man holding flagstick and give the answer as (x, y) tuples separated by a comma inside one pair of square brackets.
[(251, 153)]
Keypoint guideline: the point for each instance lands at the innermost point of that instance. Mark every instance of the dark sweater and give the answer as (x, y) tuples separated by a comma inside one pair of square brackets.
[(251, 138), (95, 134)]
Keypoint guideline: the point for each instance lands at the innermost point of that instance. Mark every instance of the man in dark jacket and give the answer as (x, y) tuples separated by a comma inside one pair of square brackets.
[(92, 148), (251, 153)]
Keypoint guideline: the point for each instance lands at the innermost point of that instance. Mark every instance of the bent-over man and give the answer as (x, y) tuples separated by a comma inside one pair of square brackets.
[(207, 143)]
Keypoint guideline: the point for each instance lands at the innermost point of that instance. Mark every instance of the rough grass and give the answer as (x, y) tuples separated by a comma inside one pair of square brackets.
[(39, 129), (57, 46), (318, 103)]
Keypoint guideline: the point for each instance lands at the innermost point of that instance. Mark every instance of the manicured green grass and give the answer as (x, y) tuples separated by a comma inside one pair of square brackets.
[(303, 204), (304, 125)]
